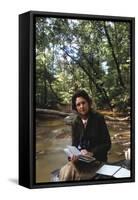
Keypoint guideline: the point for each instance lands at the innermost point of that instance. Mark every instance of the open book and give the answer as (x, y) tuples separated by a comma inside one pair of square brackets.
[(115, 171), (72, 150)]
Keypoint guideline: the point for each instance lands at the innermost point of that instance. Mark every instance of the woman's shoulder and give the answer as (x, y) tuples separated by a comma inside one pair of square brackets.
[(96, 114)]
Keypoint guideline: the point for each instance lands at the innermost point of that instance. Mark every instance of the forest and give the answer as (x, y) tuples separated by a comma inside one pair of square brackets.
[(73, 54)]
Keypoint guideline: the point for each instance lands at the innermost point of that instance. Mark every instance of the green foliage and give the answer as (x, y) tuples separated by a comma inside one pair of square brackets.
[(89, 54)]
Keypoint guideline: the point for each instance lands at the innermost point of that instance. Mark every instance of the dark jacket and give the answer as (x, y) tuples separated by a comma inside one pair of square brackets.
[(95, 137)]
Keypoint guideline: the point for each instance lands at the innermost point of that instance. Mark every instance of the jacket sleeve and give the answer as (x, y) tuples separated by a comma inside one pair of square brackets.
[(104, 144), (73, 135)]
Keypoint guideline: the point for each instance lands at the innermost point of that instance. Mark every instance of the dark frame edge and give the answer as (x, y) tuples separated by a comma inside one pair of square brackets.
[(81, 15), (24, 101), (133, 98)]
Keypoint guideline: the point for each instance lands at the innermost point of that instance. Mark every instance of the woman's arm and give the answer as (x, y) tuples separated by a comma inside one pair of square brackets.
[(104, 144)]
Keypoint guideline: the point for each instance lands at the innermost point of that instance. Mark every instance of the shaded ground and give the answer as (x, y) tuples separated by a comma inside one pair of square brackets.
[(52, 136)]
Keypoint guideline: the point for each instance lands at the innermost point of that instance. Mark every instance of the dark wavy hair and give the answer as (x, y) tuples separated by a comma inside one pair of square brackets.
[(80, 93)]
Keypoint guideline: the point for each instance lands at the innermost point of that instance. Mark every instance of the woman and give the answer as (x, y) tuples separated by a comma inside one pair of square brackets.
[(89, 134)]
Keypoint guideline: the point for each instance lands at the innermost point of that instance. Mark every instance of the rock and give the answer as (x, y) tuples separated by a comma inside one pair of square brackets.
[(119, 153), (69, 119), (126, 144)]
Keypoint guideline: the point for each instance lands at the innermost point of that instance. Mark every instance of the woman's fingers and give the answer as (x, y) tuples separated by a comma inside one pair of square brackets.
[(84, 151)]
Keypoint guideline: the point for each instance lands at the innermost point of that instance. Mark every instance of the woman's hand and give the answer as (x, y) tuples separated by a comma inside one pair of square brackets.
[(84, 152), (73, 158)]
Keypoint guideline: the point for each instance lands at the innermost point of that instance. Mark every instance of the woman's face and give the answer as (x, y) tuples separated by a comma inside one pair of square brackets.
[(82, 106)]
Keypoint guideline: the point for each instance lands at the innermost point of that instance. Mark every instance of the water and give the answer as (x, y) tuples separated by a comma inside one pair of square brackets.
[(52, 136)]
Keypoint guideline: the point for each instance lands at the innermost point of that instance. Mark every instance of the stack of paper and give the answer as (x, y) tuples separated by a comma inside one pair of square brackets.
[(72, 150), (113, 170)]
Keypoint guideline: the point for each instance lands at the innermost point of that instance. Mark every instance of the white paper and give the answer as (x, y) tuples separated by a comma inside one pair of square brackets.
[(73, 150), (67, 151), (108, 170), (122, 173)]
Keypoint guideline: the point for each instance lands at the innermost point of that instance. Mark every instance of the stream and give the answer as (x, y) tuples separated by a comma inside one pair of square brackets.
[(52, 136)]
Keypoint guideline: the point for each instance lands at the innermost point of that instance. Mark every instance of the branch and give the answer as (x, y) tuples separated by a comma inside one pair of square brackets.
[(114, 56), (116, 118), (102, 91), (49, 111)]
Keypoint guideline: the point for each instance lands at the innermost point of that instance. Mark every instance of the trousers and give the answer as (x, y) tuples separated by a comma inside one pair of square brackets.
[(78, 170)]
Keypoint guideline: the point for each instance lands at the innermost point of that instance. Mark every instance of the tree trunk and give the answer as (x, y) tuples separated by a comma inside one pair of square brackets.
[(99, 88), (52, 112), (114, 56)]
